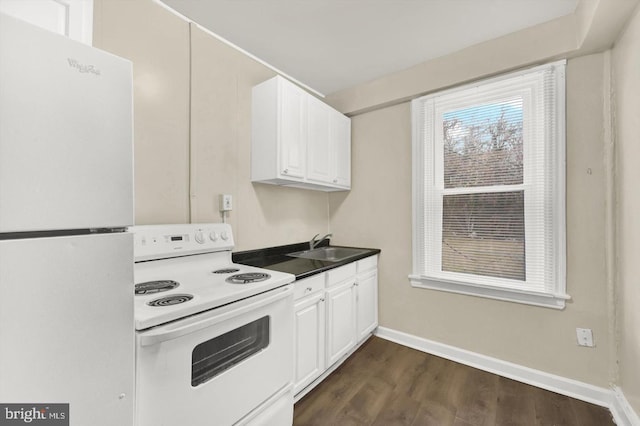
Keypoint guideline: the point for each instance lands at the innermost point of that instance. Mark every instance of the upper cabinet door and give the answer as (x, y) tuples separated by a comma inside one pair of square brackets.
[(319, 146), (340, 135), (293, 111), (72, 18)]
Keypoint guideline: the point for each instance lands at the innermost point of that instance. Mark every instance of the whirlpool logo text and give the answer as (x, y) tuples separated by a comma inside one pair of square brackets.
[(83, 68)]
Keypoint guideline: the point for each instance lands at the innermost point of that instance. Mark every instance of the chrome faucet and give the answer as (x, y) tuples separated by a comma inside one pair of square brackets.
[(314, 243)]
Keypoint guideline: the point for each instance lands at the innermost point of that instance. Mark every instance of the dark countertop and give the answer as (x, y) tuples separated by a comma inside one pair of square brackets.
[(276, 259)]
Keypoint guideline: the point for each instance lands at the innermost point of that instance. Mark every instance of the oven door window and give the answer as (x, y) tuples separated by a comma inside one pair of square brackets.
[(214, 356)]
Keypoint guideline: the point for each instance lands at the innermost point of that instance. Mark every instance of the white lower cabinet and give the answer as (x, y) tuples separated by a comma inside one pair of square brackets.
[(333, 312), (309, 329), (367, 303), (341, 319)]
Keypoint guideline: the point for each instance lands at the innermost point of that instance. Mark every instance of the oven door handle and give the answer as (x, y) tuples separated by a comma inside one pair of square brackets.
[(181, 328)]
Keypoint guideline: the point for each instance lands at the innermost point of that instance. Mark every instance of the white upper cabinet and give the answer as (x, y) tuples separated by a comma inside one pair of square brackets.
[(297, 140), (72, 18), (292, 131)]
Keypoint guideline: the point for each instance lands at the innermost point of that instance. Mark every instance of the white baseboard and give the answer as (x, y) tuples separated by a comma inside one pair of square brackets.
[(621, 410)]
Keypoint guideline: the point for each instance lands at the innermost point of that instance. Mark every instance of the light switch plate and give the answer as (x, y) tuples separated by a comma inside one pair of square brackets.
[(585, 337), (226, 202)]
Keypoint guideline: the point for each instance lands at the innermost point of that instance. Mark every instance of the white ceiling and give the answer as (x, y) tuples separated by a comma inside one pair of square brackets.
[(330, 45)]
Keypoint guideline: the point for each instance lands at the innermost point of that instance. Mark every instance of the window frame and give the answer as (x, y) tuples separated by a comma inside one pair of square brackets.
[(428, 187)]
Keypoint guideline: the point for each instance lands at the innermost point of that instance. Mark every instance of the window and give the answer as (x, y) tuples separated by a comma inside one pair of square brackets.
[(488, 188)]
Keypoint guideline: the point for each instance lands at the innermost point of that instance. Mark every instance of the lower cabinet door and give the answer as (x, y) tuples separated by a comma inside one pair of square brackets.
[(367, 303), (341, 320), (309, 329)]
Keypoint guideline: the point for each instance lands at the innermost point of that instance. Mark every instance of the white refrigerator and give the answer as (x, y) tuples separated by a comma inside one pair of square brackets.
[(66, 200)]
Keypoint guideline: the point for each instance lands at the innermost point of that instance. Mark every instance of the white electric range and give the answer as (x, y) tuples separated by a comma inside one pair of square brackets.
[(214, 339)]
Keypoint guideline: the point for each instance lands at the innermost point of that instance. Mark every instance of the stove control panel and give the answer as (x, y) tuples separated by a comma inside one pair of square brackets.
[(163, 241)]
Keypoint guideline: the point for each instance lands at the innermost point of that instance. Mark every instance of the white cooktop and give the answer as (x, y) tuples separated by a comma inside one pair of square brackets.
[(189, 256)]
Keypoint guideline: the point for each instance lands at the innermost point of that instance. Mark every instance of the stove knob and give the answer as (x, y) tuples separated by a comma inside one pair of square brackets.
[(213, 236), (224, 235), (200, 237)]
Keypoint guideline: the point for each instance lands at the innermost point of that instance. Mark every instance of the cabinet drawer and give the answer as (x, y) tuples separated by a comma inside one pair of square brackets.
[(308, 286), (336, 276), (367, 264)]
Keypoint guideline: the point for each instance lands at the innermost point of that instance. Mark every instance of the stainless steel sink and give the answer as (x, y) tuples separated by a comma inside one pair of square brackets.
[(331, 254)]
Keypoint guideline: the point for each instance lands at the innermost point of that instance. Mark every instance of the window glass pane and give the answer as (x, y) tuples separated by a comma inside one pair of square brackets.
[(483, 234), (214, 356), (483, 145)]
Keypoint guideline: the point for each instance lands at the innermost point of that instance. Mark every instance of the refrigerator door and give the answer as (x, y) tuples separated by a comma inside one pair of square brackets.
[(66, 325), (66, 154)]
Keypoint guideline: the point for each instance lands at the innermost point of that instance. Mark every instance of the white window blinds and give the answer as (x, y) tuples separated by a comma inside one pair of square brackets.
[(489, 186)]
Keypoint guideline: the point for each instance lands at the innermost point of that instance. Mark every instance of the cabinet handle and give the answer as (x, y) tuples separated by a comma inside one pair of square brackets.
[(308, 289), (285, 171), (355, 284), (335, 181), (322, 300)]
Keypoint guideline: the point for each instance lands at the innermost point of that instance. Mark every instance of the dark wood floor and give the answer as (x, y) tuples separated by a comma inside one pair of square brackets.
[(386, 384)]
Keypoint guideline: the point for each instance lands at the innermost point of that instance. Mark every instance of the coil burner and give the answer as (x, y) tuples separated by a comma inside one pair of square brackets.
[(170, 300), (151, 287), (248, 278), (226, 271)]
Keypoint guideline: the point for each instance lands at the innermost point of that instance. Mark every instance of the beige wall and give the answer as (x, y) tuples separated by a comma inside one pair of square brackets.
[(158, 44), (626, 83), (192, 145), (377, 213)]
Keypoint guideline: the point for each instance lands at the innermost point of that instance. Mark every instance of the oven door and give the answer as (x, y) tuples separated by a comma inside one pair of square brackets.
[(215, 367)]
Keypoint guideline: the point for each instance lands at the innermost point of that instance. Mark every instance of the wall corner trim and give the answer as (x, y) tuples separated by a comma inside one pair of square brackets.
[(613, 399), (623, 413)]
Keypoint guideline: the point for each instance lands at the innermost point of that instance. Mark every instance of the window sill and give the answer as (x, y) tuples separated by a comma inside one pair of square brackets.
[(546, 300)]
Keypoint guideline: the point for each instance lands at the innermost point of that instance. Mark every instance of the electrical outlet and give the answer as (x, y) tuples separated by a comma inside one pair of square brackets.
[(585, 337), (226, 202)]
